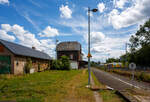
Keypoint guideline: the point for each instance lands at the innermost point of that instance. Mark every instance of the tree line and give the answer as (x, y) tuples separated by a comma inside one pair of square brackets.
[(139, 46)]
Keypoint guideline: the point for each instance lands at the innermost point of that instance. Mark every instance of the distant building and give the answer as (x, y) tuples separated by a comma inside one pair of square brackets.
[(13, 58), (73, 50)]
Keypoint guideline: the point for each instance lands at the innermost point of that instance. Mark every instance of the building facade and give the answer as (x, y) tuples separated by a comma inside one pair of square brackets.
[(13, 58), (73, 50)]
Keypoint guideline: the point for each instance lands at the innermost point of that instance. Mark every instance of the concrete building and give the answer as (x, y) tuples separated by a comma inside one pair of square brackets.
[(73, 50), (13, 58)]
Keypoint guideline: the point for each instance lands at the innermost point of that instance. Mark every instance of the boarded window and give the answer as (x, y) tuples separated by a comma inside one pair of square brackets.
[(1, 48)]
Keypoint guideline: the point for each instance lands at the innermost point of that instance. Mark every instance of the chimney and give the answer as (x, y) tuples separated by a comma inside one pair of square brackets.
[(33, 48)]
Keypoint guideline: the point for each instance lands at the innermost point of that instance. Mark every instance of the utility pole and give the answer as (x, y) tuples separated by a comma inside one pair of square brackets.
[(89, 47), (89, 53)]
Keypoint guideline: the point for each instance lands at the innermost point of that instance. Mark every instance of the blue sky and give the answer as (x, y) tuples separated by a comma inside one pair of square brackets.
[(39, 22)]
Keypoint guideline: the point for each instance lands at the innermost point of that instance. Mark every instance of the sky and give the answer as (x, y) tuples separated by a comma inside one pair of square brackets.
[(39, 23)]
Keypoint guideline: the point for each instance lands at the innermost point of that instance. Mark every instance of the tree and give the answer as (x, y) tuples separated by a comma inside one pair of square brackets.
[(140, 46), (142, 36), (65, 63), (62, 64), (56, 65), (110, 60)]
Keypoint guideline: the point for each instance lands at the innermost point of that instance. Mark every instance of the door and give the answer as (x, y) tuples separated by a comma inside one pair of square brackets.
[(74, 65), (5, 64)]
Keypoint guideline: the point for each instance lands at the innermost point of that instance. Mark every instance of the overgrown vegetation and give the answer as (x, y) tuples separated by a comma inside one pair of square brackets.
[(110, 60), (62, 64), (28, 65), (95, 64), (141, 76), (111, 96), (56, 65), (140, 46), (48, 86), (65, 63)]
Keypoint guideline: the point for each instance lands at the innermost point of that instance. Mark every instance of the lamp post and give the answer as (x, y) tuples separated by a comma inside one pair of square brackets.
[(89, 53)]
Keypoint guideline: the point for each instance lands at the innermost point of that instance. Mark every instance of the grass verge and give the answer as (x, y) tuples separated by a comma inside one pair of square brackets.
[(107, 95), (49, 86), (141, 76)]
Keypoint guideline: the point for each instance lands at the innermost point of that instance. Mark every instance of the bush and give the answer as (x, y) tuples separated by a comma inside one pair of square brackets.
[(65, 63), (56, 65), (28, 65), (144, 77), (141, 76), (39, 67), (49, 65), (62, 64)]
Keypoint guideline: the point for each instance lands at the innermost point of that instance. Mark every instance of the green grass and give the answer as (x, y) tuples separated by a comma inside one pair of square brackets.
[(110, 96), (49, 86), (97, 83)]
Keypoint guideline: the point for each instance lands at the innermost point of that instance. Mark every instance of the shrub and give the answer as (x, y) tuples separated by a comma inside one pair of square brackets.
[(49, 65), (144, 77), (39, 67), (28, 65), (62, 64), (56, 65), (65, 63)]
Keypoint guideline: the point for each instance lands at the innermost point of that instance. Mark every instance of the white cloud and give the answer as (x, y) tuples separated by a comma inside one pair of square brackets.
[(132, 15), (18, 31), (108, 47), (26, 38), (49, 32), (48, 46), (4, 1), (97, 37), (79, 24), (100, 49), (120, 3), (6, 27), (101, 7), (5, 36), (65, 12)]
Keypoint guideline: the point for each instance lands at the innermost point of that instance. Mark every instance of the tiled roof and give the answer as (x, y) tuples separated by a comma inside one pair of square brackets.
[(69, 46), (24, 51)]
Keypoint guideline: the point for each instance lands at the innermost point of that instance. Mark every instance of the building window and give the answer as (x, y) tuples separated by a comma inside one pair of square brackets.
[(71, 56), (33, 61), (17, 63)]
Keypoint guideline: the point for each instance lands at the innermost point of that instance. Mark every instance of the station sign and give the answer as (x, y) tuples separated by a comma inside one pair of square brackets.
[(132, 66)]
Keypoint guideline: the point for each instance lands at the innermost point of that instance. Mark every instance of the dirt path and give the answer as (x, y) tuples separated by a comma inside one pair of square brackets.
[(96, 94), (77, 92)]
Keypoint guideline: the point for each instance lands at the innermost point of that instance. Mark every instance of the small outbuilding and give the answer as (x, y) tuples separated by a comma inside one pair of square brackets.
[(13, 58)]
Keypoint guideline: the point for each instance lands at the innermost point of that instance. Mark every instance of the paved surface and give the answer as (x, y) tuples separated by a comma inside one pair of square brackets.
[(118, 82)]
